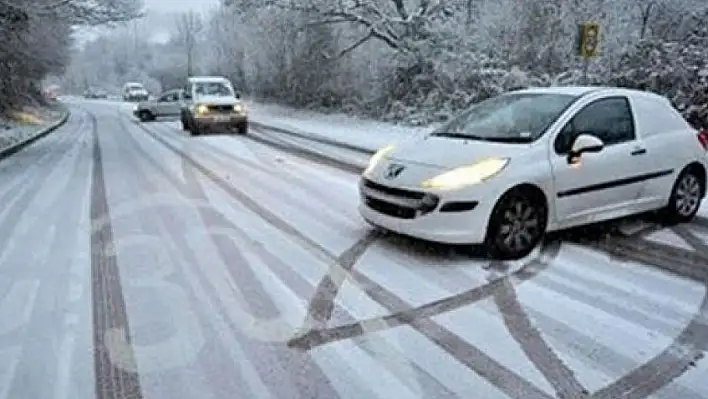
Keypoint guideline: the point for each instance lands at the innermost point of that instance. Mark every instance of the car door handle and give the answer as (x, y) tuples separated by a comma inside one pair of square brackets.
[(639, 151)]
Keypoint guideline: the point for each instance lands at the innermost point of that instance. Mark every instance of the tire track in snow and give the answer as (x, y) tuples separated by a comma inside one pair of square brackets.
[(691, 343), (467, 354), (301, 373), (109, 312), (639, 387), (533, 344), (50, 318), (277, 265), (29, 186), (224, 160), (282, 174)]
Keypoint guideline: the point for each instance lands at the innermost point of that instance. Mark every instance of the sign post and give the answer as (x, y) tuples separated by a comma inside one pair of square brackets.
[(588, 45)]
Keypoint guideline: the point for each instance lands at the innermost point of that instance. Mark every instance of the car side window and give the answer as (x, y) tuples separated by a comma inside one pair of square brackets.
[(609, 119), (166, 97)]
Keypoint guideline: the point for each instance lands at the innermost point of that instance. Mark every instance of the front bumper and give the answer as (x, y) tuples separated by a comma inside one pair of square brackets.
[(220, 120), (132, 97), (459, 217)]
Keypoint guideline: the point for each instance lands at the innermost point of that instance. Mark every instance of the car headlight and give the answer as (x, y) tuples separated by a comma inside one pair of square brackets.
[(240, 108), (467, 175), (377, 157), (202, 109)]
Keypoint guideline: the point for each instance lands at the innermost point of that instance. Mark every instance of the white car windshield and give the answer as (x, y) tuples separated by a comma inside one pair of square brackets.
[(514, 117), (213, 89), (136, 87)]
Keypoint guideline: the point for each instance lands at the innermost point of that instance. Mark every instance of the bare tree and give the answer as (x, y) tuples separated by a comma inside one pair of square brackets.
[(189, 26)]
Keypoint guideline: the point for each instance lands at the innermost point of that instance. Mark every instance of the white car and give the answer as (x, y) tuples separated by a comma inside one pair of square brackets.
[(134, 91), (211, 103), (522, 163)]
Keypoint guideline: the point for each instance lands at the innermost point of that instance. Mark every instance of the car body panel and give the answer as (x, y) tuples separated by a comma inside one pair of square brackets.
[(167, 104), (624, 178)]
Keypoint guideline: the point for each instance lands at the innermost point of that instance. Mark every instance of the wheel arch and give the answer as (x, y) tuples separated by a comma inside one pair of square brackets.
[(700, 170), (535, 192)]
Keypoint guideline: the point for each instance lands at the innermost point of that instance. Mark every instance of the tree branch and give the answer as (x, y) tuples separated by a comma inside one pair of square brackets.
[(351, 47)]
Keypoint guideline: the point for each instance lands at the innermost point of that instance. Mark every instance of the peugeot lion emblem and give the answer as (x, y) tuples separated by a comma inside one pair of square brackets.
[(393, 171)]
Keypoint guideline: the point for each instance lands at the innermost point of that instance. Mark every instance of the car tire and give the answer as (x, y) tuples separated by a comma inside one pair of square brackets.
[(242, 128), (145, 116), (185, 126), (196, 130), (686, 195), (517, 224)]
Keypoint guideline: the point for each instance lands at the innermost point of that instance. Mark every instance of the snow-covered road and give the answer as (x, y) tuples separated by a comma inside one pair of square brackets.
[(138, 262)]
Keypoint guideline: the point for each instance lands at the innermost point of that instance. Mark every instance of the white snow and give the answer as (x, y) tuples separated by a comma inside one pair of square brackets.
[(339, 127), (12, 133)]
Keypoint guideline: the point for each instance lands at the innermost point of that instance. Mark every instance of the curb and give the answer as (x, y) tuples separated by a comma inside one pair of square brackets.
[(316, 138), (14, 148)]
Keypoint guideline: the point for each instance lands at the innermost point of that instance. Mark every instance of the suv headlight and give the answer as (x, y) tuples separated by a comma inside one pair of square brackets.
[(467, 175), (377, 157), (240, 108), (202, 109)]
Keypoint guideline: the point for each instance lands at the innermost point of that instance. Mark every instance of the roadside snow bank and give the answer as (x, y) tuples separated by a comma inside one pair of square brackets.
[(337, 127), (27, 124)]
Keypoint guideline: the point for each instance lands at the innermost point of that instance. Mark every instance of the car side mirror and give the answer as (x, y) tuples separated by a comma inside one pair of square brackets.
[(582, 144)]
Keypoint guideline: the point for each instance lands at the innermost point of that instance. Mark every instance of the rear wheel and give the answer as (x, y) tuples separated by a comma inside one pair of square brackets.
[(516, 225), (686, 196)]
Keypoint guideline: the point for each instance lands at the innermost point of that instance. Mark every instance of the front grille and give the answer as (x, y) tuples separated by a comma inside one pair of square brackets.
[(396, 192), (396, 202), (389, 209), (221, 108)]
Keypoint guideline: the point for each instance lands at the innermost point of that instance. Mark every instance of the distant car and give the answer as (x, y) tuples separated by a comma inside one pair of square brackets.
[(95, 94), (512, 167), (133, 91), (167, 104), (210, 103)]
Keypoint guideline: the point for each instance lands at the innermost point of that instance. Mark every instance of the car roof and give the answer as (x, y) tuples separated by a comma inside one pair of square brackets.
[(578, 91), (207, 79)]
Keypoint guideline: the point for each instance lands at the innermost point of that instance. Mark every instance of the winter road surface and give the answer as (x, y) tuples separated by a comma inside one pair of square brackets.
[(138, 262)]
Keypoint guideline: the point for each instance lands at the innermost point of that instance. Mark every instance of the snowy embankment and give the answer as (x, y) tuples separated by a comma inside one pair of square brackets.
[(28, 125), (342, 128)]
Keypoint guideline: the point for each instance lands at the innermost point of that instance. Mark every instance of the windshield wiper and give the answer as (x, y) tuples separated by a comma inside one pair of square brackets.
[(519, 140), (465, 136)]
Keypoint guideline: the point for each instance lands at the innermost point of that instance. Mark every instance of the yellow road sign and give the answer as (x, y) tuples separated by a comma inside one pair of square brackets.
[(589, 39)]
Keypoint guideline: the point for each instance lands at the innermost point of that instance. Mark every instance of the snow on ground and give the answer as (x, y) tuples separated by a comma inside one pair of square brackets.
[(31, 123), (363, 132)]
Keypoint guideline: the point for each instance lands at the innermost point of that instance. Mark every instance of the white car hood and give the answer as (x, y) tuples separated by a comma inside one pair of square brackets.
[(447, 153), (216, 100)]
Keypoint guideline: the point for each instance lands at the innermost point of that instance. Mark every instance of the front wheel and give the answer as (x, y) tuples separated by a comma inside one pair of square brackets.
[(516, 225), (242, 128), (145, 116), (686, 196)]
